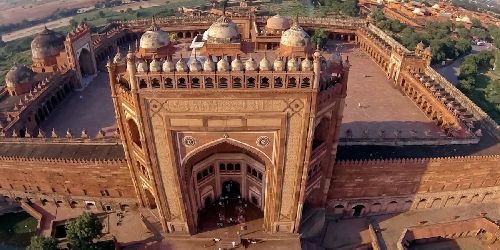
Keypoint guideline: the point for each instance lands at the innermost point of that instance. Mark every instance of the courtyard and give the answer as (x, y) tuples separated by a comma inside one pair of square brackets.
[(374, 104), (90, 109)]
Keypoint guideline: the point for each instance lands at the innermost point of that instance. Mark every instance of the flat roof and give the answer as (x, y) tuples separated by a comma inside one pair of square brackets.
[(488, 145), (67, 151)]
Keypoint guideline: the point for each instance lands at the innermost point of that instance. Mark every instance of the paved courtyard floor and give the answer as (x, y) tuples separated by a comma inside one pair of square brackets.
[(373, 102), (352, 232), (90, 109)]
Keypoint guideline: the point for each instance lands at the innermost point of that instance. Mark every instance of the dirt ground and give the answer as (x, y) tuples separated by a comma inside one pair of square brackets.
[(16, 11)]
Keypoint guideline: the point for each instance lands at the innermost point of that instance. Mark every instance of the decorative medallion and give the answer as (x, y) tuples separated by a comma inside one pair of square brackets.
[(263, 141), (188, 141)]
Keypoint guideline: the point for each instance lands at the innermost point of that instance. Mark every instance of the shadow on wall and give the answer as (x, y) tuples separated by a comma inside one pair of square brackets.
[(488, 144)]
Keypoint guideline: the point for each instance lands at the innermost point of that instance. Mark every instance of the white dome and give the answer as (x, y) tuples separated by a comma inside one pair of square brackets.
[(181, 65), (154, 38), (293, 64), (222, 65), (306, 64), (264, 64), (223, 31), (209, 64), (295, 37), (168, 66), (279, 65), (119, 57), (142, 66), (250, 64), (195, 65), (237, 65)]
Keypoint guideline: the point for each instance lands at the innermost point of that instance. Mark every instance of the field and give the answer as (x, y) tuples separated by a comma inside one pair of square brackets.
[(17, 11), (102, 17), (16, 229)]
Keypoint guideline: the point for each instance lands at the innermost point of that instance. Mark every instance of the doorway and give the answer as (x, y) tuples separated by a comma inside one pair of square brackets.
[(231, 190), (358, 210)]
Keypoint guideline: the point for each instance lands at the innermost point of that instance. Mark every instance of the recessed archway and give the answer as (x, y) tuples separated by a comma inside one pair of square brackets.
[(86, 63), (237, 174)]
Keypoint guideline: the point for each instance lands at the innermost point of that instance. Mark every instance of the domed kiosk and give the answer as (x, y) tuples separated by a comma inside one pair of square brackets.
[(223, 37), (155, 42), (19, 80), (277, 24), (45, 48), (295, 42)]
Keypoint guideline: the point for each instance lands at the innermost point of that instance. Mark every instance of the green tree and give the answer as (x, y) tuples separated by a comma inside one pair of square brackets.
[(101, 14), (73, 23), (462, 32), (492, 93), (83, 230), (476, 23), (466, 84), (479, 32), (319, 37), (42, 243), (463, 46)]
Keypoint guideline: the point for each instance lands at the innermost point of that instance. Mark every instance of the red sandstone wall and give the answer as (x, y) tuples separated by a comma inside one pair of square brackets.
[(368, 179), (89, 179)]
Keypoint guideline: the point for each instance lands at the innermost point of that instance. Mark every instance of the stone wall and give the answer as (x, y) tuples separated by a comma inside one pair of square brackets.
[(486, 121), (65, 181), (384, 186)]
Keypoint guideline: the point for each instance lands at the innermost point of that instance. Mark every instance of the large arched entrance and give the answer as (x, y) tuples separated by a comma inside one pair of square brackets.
[(226, 187), (86, 63)]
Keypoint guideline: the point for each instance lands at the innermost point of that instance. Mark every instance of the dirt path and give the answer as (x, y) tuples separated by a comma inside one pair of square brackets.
[(36, 29)]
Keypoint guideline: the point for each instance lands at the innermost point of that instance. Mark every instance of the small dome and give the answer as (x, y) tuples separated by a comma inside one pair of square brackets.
[(154, 38), (279, 65), (18, 75), (155, 66), (224, 30), (264, 64), (222, 65), (142, 66), (195, 65), (209, 65), (306, 64), (293, 64), (47, 43), (168, 65), (181, 65), (236, 64), (435, 6), (295, 37), (119, 57), (277, 23), (250, 64), (420, 45)]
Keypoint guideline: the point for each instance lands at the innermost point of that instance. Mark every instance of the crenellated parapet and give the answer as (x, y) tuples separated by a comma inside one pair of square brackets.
[(80, 31), (45, 160), (39, 136), (416, 162)]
